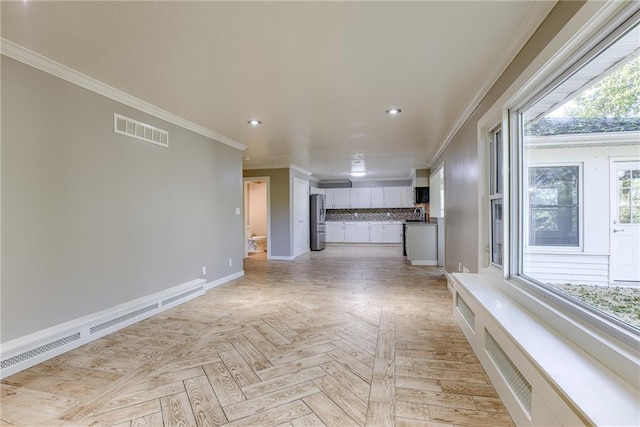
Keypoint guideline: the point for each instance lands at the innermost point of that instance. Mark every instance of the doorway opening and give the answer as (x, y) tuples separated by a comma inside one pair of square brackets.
[(256, 216)]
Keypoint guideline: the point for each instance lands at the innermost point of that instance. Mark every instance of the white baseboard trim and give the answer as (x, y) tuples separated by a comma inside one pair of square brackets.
[(29, 350), (424, 262), (224, 280), (280, 258)]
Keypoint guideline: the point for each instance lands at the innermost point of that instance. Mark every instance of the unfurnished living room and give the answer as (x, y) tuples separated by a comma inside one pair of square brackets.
[(320, 213)]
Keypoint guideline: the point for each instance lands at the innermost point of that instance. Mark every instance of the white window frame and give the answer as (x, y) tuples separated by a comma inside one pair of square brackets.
[(527, 208), (492, 193), (604, 340), (597, 42)]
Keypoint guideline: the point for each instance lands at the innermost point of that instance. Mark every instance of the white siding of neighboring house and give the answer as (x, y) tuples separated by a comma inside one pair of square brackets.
[(588, 263)]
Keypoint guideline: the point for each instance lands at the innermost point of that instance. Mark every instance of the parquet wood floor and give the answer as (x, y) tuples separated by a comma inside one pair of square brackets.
[(349, 336)]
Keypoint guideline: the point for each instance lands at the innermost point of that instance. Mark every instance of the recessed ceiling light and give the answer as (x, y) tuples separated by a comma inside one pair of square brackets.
[(393, 111), (254, 122), (358, 174)]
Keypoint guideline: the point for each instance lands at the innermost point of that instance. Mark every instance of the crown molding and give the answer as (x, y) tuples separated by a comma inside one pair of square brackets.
[(534, 17), (42, 63), (299, 169)]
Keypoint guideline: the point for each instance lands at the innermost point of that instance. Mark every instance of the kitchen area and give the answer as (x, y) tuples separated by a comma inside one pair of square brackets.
[(390, 215)]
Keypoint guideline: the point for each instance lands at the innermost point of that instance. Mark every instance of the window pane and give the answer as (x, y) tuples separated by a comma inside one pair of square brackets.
[(580, 162), (496, 232), (498, 170)]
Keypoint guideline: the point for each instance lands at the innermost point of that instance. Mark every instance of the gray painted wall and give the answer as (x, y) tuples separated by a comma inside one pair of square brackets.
[(92, 219), (461, 156), (280, 208)]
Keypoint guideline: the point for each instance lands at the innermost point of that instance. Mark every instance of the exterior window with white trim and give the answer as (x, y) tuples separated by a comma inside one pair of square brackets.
[(553, 214), (575, 186)]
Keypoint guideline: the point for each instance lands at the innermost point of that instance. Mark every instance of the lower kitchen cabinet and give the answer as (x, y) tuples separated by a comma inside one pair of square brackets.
[(392, 233), (364, 232), (356, 232), (376, 232), (335, 232)]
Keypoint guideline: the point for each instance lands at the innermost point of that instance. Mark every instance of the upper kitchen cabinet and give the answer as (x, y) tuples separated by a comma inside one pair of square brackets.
[(338, 198), (361, 198), (377, 197), (368, 197), (398, 197)]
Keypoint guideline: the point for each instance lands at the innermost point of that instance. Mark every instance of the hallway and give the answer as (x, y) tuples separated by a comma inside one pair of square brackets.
[(352, 335)]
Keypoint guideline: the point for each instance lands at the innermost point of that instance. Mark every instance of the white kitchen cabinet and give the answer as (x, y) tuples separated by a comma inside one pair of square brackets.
[(342, 198), (393, 197), (422, 243), (392, 233), (407, 197), (377, 197), (376, 232), (316, 190), (335, 232), (328, 198), (361, 198), (354, 198), (356, 232)]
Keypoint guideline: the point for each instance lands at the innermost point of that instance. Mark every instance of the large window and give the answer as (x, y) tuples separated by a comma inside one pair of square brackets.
[(553, 205), (576, 185)]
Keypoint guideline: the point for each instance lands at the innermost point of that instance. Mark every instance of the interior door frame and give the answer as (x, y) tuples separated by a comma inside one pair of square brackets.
[(295, 180), (613, 196), (245, 186)]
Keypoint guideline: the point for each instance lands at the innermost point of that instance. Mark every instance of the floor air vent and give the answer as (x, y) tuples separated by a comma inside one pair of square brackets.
[(513, 377), (120, 319), (182, 295), (39, 350), (135, 129), (466, 311)]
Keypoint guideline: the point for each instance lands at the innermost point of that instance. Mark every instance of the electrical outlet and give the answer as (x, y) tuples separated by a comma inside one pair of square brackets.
[(204, 270), (388, 214), (237, 211), (459, 267), (230, 262)]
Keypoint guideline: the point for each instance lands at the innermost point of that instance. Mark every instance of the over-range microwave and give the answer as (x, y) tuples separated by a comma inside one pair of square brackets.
[(422, 195)]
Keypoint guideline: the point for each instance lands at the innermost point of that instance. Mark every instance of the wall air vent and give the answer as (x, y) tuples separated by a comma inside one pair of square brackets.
[(519, 386), (135, 129), (466, 311), (123, 318), (39, 350)]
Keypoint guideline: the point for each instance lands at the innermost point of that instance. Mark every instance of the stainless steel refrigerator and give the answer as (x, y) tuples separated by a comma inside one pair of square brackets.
[(317, 215)]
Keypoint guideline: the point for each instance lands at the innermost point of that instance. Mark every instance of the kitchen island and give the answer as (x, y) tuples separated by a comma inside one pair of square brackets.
[(422, 243)]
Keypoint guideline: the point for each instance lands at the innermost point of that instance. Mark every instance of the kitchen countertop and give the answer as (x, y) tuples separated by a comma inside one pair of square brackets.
[(417, 223)]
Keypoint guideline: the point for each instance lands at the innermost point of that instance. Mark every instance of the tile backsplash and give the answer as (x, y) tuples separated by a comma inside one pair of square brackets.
[(377, 214)]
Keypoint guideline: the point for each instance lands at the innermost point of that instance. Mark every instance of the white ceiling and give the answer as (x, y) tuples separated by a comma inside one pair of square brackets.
[(319, 75)]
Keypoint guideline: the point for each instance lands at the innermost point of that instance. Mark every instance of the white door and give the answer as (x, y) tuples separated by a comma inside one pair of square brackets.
[(300, 217), (625, 218)]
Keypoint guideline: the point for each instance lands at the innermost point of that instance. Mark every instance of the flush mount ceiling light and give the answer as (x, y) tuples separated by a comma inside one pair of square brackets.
[(254, 122), (393, 111), (358, 174)]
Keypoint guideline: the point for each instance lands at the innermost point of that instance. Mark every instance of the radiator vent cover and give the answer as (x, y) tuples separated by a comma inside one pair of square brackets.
[(519, 386), (182, 295), (39, 350), (466, 311), (120, 319), (136, 129)]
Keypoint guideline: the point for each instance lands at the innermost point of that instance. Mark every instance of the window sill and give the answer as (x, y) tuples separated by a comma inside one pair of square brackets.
[(591, 390)]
